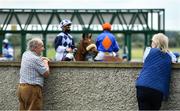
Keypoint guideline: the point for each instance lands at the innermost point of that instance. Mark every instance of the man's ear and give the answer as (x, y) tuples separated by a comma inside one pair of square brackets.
[(33, 49)]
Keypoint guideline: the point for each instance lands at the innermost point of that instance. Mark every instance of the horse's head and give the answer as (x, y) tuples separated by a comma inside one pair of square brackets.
[(86, 48), (88, 43)]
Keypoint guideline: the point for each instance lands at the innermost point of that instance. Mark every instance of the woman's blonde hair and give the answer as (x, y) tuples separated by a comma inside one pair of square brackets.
[(161, 41)]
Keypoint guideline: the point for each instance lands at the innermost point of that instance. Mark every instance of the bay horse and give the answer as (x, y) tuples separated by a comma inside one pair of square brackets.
[(86, 50)]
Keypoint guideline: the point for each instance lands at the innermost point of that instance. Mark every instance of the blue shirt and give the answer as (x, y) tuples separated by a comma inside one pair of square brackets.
[(106, 42)]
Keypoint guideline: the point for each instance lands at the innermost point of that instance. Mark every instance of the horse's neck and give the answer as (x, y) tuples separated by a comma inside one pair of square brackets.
[(79, 55)]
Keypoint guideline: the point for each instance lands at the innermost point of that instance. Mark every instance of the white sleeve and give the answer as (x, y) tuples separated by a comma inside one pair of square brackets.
[(10, 51), (60, 49), (146, 52), (173, 57)]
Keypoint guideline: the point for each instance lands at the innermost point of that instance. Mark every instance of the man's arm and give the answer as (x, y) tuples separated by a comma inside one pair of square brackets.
[(46, 74), (58, 42)]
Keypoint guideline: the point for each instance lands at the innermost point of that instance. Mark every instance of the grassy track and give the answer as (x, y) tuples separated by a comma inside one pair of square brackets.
[(137, 53)]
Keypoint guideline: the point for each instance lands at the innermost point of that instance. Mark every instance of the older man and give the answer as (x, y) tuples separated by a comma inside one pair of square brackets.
[(34, 69)]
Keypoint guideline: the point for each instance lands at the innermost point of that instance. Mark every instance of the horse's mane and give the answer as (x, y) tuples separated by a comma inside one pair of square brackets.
[(80, 52)]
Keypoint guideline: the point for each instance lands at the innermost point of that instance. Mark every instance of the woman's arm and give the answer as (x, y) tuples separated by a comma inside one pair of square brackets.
[(146, 52)]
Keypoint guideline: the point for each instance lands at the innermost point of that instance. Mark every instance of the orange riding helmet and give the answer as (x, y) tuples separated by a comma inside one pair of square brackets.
[(106, 26)]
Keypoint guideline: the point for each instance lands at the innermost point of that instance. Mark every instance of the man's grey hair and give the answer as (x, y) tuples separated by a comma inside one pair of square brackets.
[(33, 43)]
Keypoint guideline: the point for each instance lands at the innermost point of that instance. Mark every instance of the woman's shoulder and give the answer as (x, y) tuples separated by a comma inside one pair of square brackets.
[(147, 49)]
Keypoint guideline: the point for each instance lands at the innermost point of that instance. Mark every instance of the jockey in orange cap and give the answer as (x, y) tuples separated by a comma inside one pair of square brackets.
[(106, 43)]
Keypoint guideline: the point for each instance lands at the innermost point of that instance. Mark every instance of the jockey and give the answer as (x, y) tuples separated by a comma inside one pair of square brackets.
[(64, 42), (106, 43), (7, 52)]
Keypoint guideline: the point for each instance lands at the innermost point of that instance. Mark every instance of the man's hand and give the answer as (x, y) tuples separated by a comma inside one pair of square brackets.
[(46, 61), (45, 58), (69, 50)]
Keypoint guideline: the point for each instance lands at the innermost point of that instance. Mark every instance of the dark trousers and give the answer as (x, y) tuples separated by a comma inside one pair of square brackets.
[(149, 99)]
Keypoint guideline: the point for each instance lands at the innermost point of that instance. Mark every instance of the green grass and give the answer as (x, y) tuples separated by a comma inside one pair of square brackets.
[(136, 54), (51, 53), (175, 49)]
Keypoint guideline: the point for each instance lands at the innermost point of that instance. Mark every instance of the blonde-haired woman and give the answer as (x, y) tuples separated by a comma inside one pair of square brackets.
[(153, 81)]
